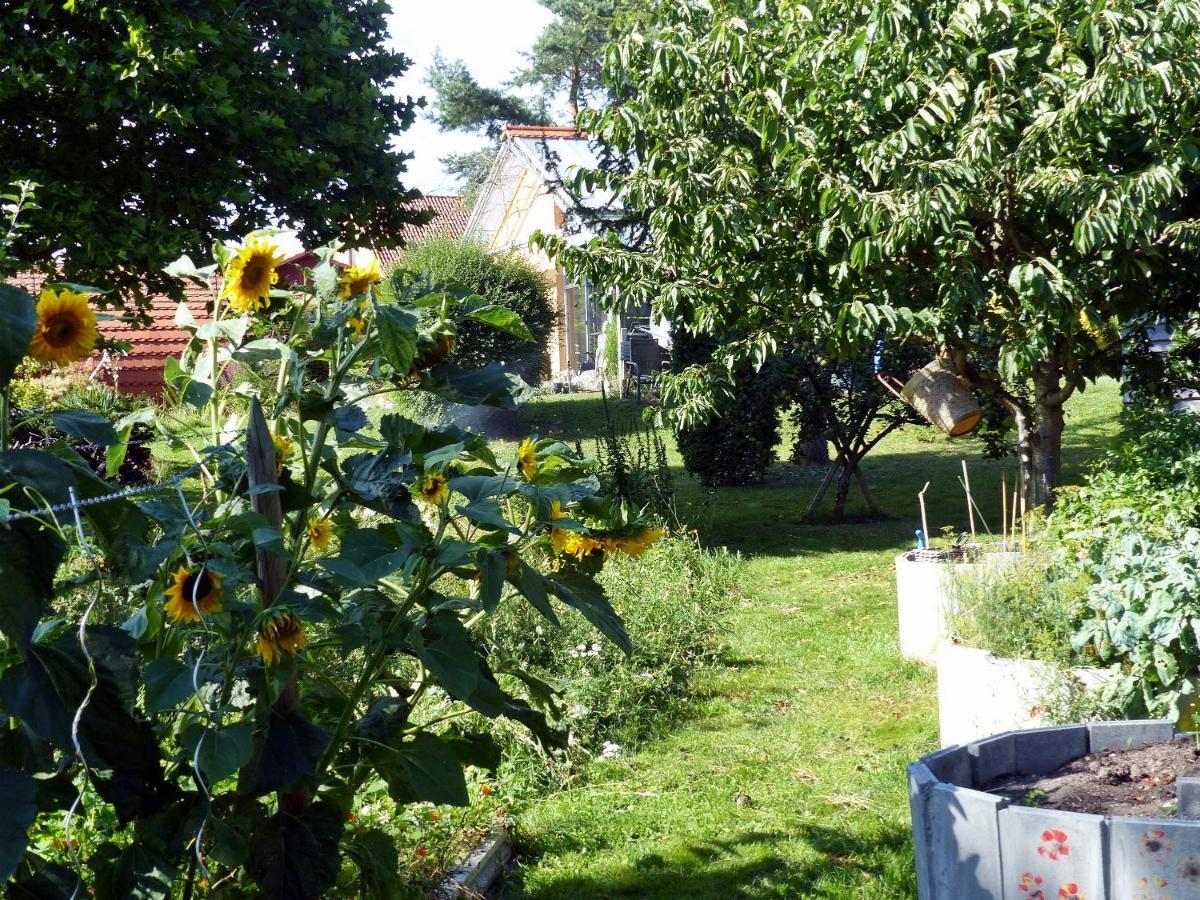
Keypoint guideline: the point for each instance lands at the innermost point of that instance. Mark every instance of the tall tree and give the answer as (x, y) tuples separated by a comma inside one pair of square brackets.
[(566, 63), (150, 127), (1013, 184)]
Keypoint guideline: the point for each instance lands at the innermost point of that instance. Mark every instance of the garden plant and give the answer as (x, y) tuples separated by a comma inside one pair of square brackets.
[(203, 682)]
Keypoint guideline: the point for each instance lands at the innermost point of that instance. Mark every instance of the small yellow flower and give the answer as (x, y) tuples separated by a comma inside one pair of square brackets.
[(251, 275), (358, 325), (320, 533), (66, 328), (282, 636), (567, 542), (193, 594), (434, 489), (634, 545), (284, 448), (526, 461), (357, 279)]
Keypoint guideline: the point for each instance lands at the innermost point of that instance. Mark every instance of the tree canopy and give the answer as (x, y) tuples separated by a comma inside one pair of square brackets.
[(154, 126), (1011, 184)]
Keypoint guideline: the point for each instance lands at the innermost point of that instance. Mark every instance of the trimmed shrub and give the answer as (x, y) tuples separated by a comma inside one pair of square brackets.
[(509, 280), (737, 445)]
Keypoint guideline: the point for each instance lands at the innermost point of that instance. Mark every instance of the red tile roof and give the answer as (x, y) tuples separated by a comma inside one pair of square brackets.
[(450, 216), (141, 370), (541, 131)]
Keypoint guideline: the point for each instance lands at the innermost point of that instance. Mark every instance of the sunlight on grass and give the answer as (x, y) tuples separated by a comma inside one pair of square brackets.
[(788, 779)]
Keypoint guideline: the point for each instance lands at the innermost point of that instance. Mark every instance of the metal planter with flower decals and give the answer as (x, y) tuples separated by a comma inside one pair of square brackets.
[(970, 844)]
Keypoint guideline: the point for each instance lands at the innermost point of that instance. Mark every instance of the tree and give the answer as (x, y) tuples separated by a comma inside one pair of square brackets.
[(1012, 184), (566, 61), (508, 281), (148, 126)]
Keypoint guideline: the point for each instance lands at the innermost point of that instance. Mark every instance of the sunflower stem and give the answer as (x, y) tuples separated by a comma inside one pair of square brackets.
[(4, 424)]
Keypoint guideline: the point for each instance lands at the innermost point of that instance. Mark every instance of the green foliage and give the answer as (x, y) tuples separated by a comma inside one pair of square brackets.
[(1011, 608), (462, 104), (508, 281), (1003, 180), (677, 599), (632, 464), (148, 127), (299, 627), (736, 445)]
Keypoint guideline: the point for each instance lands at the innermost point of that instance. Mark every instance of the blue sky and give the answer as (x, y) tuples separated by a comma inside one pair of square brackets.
[(489, 35)]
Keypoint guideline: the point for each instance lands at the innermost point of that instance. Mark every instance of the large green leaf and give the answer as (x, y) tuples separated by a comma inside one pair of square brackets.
[(492, 385), (503, 319), (434, 772), (18, 321), (444, 645), (297, 857), (17, 813), (584, 594), (141, 873), (397, 336), (29, 557), (223, 751), (52, 882), (285, 750), (86, 425)]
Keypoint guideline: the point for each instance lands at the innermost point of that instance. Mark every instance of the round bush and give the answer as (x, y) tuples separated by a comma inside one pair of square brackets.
[(509, 280)]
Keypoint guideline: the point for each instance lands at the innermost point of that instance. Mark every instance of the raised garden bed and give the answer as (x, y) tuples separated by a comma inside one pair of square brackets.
[(972, 843), (981, 694), (923, 600)]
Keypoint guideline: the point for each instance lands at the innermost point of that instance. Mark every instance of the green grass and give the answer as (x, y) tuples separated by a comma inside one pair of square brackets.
[(786, 779)]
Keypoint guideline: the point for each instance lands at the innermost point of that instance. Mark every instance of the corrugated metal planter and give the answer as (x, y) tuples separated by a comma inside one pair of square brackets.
[(972, 845)]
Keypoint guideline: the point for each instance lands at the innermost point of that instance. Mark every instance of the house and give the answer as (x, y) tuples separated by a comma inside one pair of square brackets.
[(524, 194)]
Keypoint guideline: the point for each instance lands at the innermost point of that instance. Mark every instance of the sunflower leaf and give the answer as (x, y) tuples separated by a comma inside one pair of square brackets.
[(18, 321)]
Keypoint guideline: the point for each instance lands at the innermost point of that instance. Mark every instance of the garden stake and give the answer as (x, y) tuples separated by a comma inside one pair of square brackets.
[(1014, 516), (970, 504), (1004, 509), (921, 500)]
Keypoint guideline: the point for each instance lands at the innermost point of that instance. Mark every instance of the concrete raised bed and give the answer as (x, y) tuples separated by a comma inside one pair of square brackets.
[(971, 845), (981, 694), (923, 597)]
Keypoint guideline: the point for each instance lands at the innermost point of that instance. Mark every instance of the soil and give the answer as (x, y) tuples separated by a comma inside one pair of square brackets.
[(1115, 782)]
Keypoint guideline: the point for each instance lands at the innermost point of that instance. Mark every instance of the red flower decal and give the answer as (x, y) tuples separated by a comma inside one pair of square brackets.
[(1031, 887), (1070, 892), (1054, 845)]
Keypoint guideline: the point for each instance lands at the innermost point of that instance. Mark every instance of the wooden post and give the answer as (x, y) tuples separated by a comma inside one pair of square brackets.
[(1004, 509), (924, 521), (262, 470), (970, 505)]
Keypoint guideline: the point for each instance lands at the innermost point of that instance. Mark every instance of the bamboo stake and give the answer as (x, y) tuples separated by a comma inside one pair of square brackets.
[(924, 521), (1004, 509), (1024, 525), (970, 505), (1014, 514)]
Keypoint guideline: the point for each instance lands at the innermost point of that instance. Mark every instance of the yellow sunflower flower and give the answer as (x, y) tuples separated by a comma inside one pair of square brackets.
[(526, 461), (320, 533), (634, 545), (357, 279), (192, 594), (567, 542), (66, 328), (434, 489), (358, 325), (284, 448), (251, 275), (282, 636)]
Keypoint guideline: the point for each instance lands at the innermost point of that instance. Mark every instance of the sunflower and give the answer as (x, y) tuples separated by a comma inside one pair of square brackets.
[(358, 325), (526, 461), (634, 545), (284, 448), (251, 275), (281, 636), (567, 542), (434, 489), (66, 328), (320, 533), (193, 594), (356, 280)]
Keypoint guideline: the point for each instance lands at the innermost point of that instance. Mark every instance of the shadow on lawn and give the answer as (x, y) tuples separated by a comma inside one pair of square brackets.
[(748, 867)]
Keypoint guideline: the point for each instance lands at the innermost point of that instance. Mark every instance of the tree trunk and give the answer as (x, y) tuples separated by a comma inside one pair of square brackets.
[(811, 452), (1039, 439), (843, 490)]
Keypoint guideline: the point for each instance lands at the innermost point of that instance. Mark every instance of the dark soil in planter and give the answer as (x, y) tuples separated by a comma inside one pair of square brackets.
[(1114, 782)]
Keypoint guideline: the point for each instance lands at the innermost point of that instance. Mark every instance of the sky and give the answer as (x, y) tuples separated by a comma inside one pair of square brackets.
[(489, 35)]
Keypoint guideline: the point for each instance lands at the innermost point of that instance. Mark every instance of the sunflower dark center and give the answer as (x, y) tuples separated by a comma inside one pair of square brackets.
[(60, 331), (254, 274), (196, 586)]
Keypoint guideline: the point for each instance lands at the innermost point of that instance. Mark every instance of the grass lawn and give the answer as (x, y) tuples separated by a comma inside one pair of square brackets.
[(787, 777)]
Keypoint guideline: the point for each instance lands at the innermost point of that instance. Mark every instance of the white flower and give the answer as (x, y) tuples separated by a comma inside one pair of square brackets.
[(610, 751)]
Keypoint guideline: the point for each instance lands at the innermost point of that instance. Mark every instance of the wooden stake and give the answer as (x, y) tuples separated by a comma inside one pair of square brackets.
[(1014, 513), (970, 505), (1004, 509), (924, 521)]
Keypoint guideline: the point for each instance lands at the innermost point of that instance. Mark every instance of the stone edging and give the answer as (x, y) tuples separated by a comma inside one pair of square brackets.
[(482, 867), (970, 844)]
